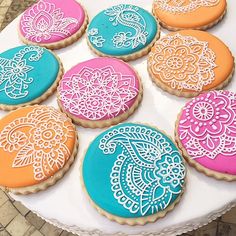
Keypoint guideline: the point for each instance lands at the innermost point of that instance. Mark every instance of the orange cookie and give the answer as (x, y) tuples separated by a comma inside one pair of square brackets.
[(37, 146), (189, 14), (189, 62)]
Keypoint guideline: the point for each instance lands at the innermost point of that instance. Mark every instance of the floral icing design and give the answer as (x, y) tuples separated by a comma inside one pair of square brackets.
[(95, 38), (97, 94), (207, 127), (43, 146), (45, 20), (128, 16), (148, 174), (183, 62), (14, 80), (183, 6)]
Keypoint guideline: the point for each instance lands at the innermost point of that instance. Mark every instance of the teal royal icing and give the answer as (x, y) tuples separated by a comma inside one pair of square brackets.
[(122, 30), (133, 170), (26, 73)]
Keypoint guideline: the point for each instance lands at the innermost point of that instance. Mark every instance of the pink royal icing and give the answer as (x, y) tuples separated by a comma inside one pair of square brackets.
[(207, 130), (99, 89), (50, 21)]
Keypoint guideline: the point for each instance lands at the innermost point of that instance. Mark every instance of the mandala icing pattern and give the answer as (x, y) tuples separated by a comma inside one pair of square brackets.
[(183, 62), (207, 126), (147, 174), (40, 140), (183, 6), (14, 80), (124, 30), (98, 91)]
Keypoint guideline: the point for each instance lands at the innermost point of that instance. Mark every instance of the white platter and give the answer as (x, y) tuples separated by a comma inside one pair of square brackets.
[(66, 206)]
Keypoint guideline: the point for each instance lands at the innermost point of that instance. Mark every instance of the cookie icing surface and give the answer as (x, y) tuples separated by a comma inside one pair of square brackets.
[(99, 89), (35, 143), (26, 73), (136, 171), (125, 29), (189, 14), (50, 21), (207, 130), (190, 61)]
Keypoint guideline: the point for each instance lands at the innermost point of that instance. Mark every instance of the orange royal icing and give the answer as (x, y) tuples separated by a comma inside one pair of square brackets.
[(190, 61), (189, 14), (35, 143)]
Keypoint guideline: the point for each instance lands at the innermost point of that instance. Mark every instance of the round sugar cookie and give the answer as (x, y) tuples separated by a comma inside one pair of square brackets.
[(189, 14), (53, 24), (28, 75), (189, 62), (206, 133), (100, 92), (123, 31), (37, 146), (133, 174)]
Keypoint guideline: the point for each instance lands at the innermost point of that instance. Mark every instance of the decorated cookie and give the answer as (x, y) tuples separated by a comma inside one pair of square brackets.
[(28, 75), (100, 92), (37, 146), (189, 62), (189, 14), (206, 132), (123, 31), (53, 24), (133, 174)]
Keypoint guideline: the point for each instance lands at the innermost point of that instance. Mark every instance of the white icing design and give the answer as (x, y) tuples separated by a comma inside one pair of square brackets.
[(183, 6), (96, 39), (43, 145), (44, 20), (148, 173), (14, 80), (98, 93), (128, 16), (183, 62), (208, 128)]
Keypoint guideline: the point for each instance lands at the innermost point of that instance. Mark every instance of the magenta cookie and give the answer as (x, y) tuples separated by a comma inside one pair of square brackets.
[(100, 92), (206, 133), (53, 24)]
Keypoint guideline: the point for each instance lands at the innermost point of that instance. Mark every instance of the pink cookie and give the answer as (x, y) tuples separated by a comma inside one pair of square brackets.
[(52, 23), (100, 92), (206, 132)]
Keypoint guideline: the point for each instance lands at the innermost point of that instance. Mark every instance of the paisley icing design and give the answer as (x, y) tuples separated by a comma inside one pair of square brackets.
[(183, 62), (124, 30), (50, 21), (139, 170), (41, 139), (183, 6), (22, 69), (98, 89), (207, 129), (13, 75)]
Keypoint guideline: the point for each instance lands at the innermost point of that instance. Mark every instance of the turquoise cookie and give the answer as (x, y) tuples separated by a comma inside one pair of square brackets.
[(122, 30), (132, 171), (26, 73)]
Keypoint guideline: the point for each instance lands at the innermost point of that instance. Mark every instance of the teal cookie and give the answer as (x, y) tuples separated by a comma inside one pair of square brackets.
[(122, 30), (133, 171), (26, 74)]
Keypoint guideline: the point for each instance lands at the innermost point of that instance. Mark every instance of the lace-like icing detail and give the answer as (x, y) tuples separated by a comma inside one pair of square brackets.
[(128, 16), (43, 146), (95, 38), (97, 94), (207, 127), (183, 62), (148, 173), (44, 20), (183, 6), (14, 80)]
